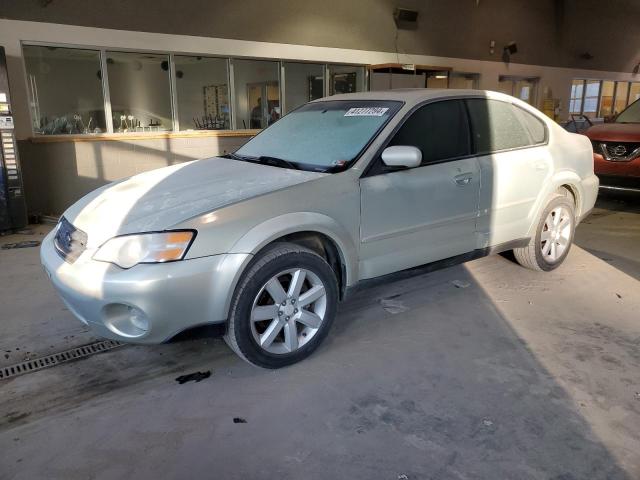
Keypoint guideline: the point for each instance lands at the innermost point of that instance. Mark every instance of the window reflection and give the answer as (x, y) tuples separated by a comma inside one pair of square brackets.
[(346, 79), (606, 98), (139, 91), (303, 82), (622, 91), (257, 93), (203, 93), (65, 89)]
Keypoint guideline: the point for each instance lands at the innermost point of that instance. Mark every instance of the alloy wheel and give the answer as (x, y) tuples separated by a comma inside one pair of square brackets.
[(288, 311), (556, 234)]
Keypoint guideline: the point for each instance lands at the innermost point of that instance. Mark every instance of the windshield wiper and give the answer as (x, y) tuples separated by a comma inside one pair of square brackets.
[(277, 162), (234, 156), (274, 161)]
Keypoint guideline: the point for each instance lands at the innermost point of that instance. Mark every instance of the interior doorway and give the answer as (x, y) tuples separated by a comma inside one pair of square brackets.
[(264, 102), (524, 88)]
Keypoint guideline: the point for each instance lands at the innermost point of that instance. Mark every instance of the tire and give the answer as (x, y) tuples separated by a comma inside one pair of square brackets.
[(273, 334), (538, 254)]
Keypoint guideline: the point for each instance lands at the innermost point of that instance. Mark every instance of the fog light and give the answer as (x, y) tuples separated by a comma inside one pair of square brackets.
[(125, 320), (138, 319)]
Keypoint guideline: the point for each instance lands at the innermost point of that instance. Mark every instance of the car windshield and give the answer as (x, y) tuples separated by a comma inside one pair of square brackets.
[(321, 136), (631, 114)]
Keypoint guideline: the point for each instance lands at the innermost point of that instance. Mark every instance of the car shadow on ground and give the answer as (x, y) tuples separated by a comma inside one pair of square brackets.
[(612, 231)]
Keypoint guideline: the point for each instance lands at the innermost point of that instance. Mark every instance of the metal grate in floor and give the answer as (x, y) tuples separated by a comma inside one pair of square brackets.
[(57, 358)]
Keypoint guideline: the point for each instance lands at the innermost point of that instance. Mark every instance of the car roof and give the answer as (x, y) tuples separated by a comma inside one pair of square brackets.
[(413, 95)]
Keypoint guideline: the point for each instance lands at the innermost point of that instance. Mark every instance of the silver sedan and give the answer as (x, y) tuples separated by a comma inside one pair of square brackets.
[(268, 239)]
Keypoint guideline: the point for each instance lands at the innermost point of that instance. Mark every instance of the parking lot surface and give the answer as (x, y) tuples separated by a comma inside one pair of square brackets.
[(483, 370)]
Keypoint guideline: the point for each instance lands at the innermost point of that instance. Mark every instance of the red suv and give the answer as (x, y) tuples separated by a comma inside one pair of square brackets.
[(616, 149)]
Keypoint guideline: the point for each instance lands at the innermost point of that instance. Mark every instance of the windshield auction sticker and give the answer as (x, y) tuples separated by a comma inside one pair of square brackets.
[(366, 112)]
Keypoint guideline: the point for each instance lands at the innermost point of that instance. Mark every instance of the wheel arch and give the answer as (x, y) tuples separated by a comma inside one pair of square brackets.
[(564, 179), (320, 233)]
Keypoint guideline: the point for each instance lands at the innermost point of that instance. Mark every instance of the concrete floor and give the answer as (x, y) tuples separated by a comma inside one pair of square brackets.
[(515, 375)]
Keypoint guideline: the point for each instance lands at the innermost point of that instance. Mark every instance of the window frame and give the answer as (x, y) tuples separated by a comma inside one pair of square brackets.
[(27, 87), (373, 138), (493, 152), (377, 167), (102, 49)]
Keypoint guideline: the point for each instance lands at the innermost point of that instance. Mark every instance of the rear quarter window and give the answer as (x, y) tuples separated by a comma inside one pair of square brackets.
[(533, 125), (496, 126)]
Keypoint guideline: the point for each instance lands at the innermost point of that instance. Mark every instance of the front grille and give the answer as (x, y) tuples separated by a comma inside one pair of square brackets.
[(70, 241), (618, 151)]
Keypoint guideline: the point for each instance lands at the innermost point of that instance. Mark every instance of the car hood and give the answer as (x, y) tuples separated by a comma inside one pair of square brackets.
[(615, 132), (160, 199)]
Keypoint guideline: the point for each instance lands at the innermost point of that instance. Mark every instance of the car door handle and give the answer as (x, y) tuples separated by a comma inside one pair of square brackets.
[(463, 178), (540, 166)]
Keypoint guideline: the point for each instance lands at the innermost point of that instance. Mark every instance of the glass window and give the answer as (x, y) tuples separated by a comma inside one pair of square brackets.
[(606, 99), (346, 79), (575, 101), (591, 93), (65, 88), (440, 130), (622, 90), (533, 125), (634, 92), (321, 135), (257, 93), (139, 91), (495, 126), (203, 93), (631, 114), (303, 82)]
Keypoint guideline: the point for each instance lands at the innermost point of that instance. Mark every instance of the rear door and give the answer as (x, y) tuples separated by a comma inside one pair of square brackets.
[(420, 215), (510, 144)]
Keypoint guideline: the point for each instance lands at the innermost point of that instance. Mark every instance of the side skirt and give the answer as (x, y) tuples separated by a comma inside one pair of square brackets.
[(433, 266)]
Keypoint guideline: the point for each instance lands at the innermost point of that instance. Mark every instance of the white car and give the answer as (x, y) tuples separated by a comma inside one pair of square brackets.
[(268, 239)]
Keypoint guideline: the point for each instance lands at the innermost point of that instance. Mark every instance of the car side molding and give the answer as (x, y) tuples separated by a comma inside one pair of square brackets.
[(434, 266)]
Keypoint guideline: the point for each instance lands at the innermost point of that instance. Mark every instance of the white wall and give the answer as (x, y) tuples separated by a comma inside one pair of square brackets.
[(558, 80)]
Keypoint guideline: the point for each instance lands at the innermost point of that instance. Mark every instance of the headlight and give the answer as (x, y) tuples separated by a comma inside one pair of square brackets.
[(129, 250)]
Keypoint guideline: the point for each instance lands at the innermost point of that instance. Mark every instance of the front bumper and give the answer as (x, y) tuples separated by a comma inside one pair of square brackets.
[(167, 298)]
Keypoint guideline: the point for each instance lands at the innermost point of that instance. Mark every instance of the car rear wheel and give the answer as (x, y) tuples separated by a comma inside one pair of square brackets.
[(554, 236), (283, 307)]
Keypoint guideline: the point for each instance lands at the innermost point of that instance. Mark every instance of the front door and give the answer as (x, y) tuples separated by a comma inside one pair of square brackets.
[(417, 216)]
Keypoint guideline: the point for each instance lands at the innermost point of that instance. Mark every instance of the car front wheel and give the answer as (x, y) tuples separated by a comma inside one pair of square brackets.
[(283, 307)]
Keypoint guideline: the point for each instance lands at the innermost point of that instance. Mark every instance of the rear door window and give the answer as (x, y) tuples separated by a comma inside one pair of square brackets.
[(495, 126), (533, 125)]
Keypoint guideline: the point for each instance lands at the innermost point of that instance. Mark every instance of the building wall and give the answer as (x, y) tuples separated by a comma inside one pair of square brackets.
[(50, 191), (57, 173), (548, 32), (554, 81)]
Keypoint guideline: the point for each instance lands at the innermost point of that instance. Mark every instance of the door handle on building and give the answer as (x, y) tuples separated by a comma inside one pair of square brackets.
[(463, 178)]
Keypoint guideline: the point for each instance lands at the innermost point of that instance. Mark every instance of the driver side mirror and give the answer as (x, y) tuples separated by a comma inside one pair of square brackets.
[(402, 156)]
